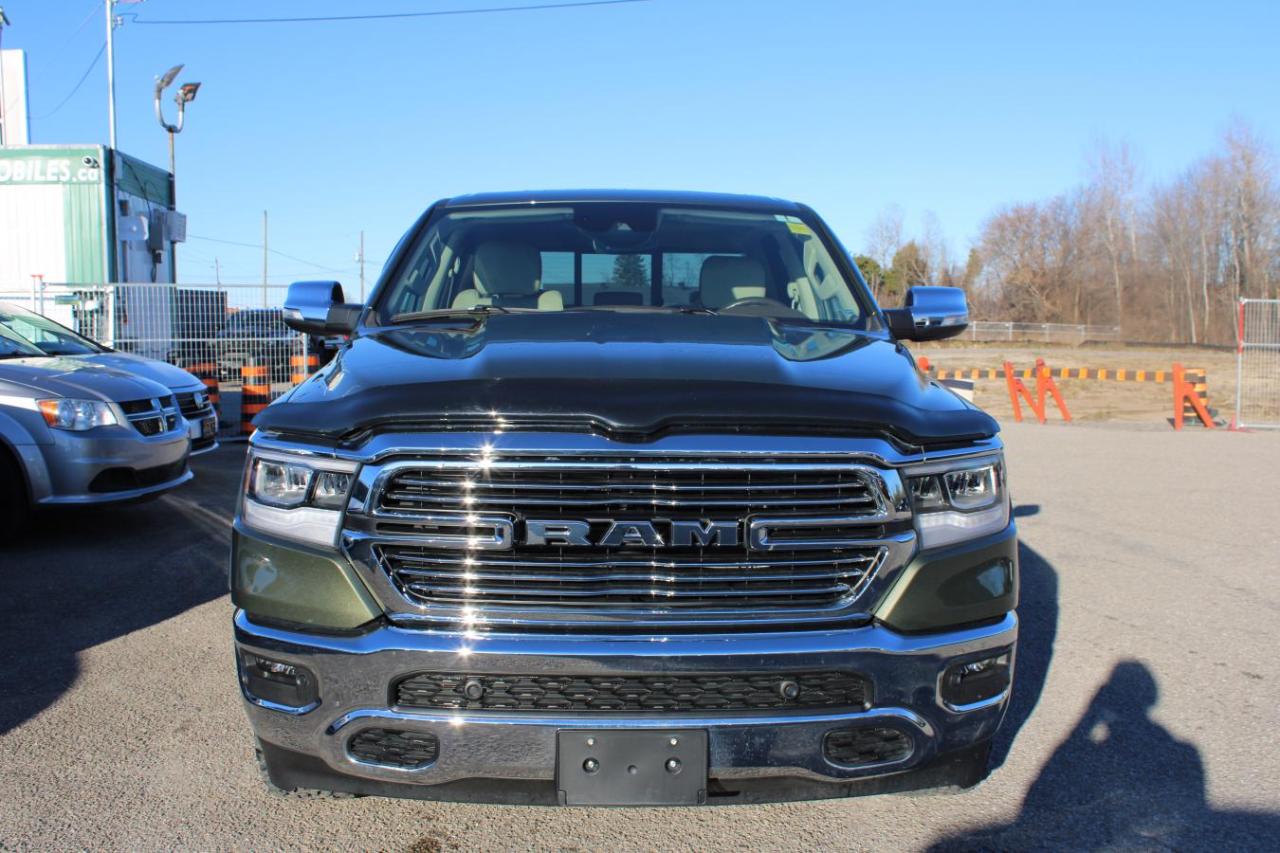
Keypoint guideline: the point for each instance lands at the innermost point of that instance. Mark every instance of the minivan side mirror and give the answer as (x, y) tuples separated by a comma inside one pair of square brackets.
[(929, 314), (318, 308)]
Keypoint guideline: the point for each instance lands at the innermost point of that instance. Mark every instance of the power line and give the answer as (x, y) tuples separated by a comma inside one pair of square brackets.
[(272, 251), (83, 77), (573, 4)]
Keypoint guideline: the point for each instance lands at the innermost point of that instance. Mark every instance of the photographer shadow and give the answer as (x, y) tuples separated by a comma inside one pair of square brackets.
[(1121, 781)]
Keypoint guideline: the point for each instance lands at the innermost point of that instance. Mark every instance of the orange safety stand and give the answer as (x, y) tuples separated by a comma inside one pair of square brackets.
[(1016, 390), (1044, 386), (1184, 393)]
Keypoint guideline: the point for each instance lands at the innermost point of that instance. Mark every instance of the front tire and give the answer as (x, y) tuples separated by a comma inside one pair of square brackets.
[(15, 507)]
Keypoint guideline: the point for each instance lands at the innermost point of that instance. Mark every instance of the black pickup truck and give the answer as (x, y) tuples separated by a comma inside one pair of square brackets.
[(623, 498)]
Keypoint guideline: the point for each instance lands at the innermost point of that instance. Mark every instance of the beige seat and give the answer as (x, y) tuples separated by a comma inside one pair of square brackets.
[(508, 274), (726, 279)]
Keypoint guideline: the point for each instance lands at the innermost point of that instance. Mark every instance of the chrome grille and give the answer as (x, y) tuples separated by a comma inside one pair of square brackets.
[(447, 536), (154, 416), (616, 579), (616, 487)]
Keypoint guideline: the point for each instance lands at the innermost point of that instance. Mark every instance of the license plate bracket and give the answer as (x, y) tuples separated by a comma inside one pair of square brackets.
[(207, 428), (630, 767)]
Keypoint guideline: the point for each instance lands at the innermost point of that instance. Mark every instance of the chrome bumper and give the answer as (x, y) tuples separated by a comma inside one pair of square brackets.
[(355, 674)]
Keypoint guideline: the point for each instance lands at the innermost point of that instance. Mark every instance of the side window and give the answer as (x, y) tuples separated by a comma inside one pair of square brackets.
[(557, 274)]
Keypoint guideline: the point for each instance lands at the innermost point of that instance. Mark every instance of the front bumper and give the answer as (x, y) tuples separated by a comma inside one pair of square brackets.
[(203, 432), (355, 674), (95, 467)]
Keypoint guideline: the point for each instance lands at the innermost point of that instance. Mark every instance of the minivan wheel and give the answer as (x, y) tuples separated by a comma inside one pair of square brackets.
[(14, 506)]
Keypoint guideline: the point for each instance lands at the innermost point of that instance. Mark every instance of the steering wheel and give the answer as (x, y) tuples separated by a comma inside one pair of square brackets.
[(760, 306)]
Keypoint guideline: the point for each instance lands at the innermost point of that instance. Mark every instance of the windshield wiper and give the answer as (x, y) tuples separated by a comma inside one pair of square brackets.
[(448, 313)]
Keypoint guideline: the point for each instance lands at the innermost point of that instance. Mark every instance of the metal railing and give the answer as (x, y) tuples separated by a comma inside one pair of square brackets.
[(215, 331), (1052, 333), (1258, 363)]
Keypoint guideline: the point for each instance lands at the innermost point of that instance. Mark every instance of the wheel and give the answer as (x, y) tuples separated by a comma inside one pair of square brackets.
[(294, 793), (15, 508)]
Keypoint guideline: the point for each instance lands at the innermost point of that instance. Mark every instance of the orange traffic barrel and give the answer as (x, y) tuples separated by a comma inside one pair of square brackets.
[(302, 366), (207, 372), (255, 394)]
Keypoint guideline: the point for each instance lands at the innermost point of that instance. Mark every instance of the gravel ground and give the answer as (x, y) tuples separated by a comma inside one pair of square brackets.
[(1144, 717)]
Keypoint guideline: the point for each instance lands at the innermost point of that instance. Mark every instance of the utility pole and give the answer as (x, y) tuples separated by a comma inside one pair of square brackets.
[(264, 259), (360, 258), (110, 6), (4, 101), (217, 271)]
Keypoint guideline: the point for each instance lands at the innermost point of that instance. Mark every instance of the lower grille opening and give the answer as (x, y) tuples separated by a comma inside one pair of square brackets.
[(871, 745), (697, 692), (125, 479), (394, 748)]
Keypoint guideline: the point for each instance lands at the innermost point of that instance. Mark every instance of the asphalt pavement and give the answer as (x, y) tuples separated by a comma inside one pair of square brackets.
[(1144, 716)]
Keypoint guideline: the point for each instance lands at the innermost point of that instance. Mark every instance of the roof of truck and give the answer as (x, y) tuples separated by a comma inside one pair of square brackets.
[(677, 197)]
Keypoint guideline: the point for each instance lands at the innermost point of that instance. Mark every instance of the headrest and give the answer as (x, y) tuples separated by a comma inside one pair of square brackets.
[(507, 268), (726, 279)]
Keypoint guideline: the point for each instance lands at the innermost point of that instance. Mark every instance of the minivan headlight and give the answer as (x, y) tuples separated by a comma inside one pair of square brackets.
[(958, 501), (77, 415), (295, 499)]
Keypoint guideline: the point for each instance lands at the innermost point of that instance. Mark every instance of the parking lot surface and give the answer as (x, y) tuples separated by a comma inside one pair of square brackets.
[(1144, 714)]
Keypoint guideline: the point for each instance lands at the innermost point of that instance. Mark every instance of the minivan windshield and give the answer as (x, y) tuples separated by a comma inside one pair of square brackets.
[(50, 337), (624, 256)]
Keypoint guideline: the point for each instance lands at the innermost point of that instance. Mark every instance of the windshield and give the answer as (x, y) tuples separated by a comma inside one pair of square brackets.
[(625, 256), (48, 336), (12, 346)]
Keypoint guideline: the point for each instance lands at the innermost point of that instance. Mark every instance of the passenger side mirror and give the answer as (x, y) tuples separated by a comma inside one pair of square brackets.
[(929, 314), (317, 308)]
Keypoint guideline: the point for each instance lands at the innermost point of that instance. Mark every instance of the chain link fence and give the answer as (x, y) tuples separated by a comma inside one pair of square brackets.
[(1258, 364), (221, 333)]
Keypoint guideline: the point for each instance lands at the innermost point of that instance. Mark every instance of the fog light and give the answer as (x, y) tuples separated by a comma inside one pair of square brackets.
[(278, 682), (976, 680)]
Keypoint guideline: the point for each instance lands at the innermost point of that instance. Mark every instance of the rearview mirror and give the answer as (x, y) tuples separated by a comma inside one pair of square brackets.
[(318, 308), (929, 314)]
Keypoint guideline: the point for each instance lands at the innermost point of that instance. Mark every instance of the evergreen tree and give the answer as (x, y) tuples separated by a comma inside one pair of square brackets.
[(629, 272)]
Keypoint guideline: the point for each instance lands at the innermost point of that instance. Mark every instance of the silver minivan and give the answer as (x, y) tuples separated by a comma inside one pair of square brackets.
[(76, 433), (55, 339)]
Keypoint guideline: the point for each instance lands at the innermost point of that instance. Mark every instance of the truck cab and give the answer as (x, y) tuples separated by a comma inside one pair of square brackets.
[(623, 498)]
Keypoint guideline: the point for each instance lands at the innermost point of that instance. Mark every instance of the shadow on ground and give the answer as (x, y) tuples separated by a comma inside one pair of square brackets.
[(80, 578), (1120, 781)]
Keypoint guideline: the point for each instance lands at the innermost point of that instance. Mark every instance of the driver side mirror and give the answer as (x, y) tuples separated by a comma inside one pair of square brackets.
[(929, 314), (317, 308)]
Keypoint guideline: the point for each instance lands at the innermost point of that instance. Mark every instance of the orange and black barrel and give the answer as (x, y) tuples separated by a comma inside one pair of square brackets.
[(255, 394), (207, 372), (302, 366)]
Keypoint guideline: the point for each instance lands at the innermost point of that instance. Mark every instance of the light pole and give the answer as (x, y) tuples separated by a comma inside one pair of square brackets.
[(186, 94)]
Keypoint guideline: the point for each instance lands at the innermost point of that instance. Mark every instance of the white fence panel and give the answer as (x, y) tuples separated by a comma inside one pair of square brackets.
[(1258, 364), (218, 332)]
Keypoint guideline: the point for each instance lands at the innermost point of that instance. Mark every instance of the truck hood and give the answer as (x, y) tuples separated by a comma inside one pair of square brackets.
[(630, 375), (173, 378), (71, 376)]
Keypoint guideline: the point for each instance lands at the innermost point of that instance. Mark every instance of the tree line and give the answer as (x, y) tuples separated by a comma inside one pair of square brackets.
[(1165, 261)]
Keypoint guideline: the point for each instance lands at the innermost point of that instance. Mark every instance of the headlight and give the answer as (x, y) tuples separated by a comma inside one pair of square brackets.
[(958, 501), (295, 499), (77, 415)]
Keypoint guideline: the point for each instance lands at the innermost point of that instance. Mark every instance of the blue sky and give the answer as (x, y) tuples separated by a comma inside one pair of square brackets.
[(954, 108)]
